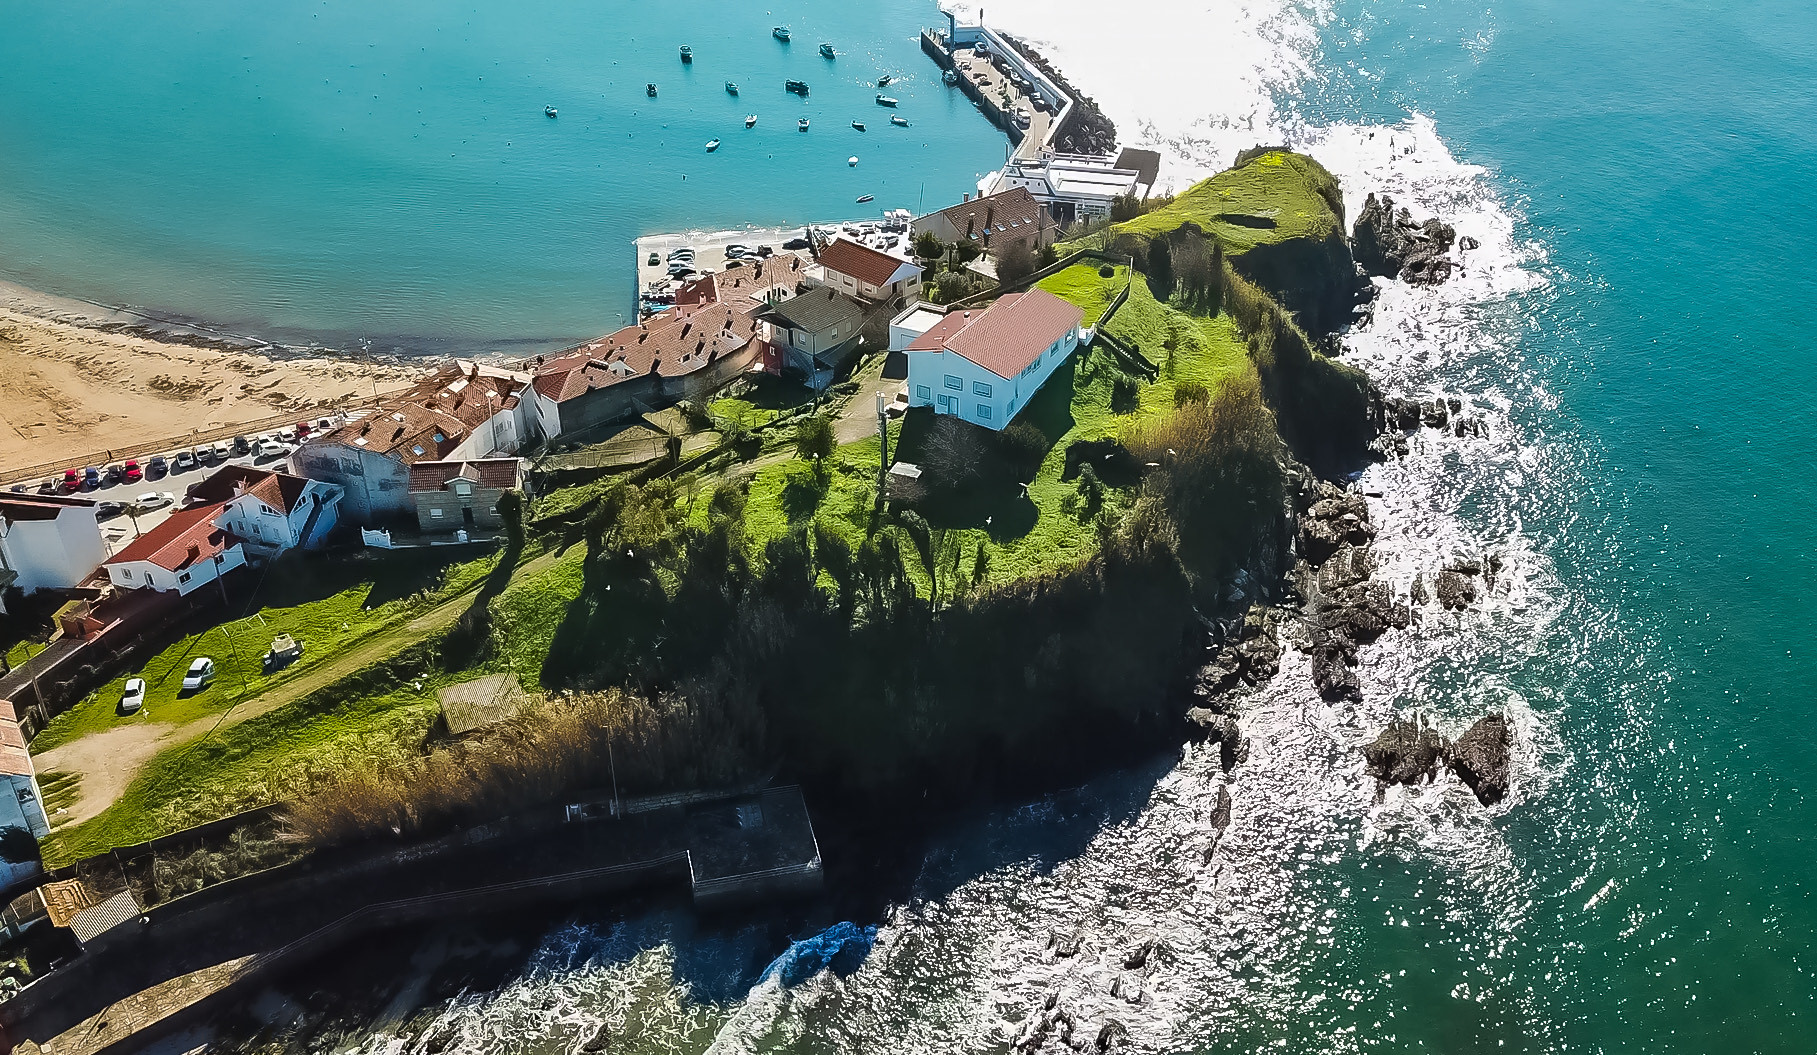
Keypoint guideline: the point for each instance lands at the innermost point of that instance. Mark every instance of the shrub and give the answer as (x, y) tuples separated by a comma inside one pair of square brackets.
[(814, 439), (1023, 446), (928, 246), (1015, 263), (1190, 392)]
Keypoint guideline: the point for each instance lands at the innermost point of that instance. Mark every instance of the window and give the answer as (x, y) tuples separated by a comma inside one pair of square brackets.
[(954, 383), (183, 577), (984, 412), (126, 574), (435, 514), (923, 392), (979, 388)]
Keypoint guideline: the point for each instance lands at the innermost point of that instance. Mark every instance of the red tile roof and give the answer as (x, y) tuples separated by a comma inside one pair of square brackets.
[(861, 261), (449, 405), (500, 473), (1012, 212), (169, 544), (1006, 337), (674, 343), (278, 490)]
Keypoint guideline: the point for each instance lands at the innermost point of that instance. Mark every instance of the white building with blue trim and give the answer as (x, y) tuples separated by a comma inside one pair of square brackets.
[(983, 365)]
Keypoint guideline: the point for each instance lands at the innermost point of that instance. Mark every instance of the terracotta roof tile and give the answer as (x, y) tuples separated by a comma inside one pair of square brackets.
[(277, 490), (861, 261), (1006, 337), (168, 544), (500, 473)]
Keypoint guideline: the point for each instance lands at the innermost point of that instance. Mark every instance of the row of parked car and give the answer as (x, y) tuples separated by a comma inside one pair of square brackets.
[(268, 446)]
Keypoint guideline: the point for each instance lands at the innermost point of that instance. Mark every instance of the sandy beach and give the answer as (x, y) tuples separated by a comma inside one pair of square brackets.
[(75, 384)]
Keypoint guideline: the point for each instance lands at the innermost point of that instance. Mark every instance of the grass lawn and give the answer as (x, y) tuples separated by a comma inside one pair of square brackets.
[(324, 604), (241, 766), (526, 614), (791, 494), (1275, 197)]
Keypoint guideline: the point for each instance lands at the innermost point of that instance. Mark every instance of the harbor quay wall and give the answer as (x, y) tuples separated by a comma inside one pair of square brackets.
[(937, 47)]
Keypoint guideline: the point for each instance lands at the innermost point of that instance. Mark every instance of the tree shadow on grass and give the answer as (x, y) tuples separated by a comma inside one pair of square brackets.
[(802, 495)]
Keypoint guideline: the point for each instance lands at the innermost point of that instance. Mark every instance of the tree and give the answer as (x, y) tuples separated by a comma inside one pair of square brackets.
[(814, 439), (1125, 207), (1016, 262), (928, 246), (511, 511), (1023, 446), (1160, 268)]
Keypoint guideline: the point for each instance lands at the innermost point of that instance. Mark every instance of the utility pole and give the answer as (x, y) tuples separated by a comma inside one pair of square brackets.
[(883, 445)]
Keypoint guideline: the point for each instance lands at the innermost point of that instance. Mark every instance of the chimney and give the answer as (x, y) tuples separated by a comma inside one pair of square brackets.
[(968, 197), (195, 551)]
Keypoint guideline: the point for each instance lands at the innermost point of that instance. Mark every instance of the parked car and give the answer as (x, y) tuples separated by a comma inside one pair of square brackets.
[(48, 487), (134, 696), (72, 481), (201, 671), (155, 499), (108, 510), (303, 430), (223, 451), (325, 423), (91, 478), (21, 488), (185, 461), (133, 473), (156, 467), (655, 259), (796, 243), (264, 449), (114, 473), (288, 435), (242, 445)]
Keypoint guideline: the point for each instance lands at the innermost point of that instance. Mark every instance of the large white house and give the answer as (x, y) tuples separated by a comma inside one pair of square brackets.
[(47, 542), (185, 552), (271, 511), (984, 365)]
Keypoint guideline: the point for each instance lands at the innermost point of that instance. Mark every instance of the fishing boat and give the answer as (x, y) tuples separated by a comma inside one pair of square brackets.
[(884, 81), (866, 198), (951, 78), (827, 51), (802, 124), (859, 125), (712, 145), (548, 111), (852, 161), (731, 89), (898, 121), (650, 89), (884, 100), (781, 33), (750, 120), (798, 87), (687, 53)]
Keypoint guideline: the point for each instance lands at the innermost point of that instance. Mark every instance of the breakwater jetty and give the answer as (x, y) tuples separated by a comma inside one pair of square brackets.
[(171, 966)]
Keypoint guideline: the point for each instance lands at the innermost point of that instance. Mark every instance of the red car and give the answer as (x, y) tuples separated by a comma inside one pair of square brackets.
[(133, 473), (302, 430), (72, 481)]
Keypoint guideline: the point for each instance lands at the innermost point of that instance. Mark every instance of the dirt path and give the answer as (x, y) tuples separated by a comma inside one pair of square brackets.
[(106, 763), (857, 420)]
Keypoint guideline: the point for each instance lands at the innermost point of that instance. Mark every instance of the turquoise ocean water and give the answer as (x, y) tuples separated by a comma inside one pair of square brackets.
[(348, 170), (1637, 332)]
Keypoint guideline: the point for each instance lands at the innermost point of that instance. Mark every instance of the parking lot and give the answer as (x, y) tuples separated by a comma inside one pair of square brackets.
[(163, 489)]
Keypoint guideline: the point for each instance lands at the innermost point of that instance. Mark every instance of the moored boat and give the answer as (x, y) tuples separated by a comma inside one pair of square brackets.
[(859, 125), (548, 111), (687, 53), (650, 89), (750, 120), (802, 124), (884, 100), (898, 121), (884, 81), (731, 89), (852, 161), (951, 78), (798, 87), (865, 198), (712, 145), (780, 33), (827, 50)]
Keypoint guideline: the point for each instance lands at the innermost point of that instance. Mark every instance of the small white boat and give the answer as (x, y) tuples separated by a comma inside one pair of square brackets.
[(884, 100), (712, 145), (781, 33), (751, 120), (827, 51), (852, 161), (866, 198), (951, 78), (898, 120), (802, 124), (548, 111), (859, 125), (731, 88)]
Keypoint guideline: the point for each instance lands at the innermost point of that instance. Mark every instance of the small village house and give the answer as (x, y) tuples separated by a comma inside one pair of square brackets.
[(984, 365), (869, 275), (466, 410), (21, 800), (816, 333), (271, 511), (184, 553), (992, 222), (463, 495), (711, 337), (47, 542)]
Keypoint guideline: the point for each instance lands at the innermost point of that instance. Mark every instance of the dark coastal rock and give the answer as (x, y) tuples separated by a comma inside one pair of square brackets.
[(1332, 676), (1435, 414), (1455, 589), (1480, 758), (1063, 944), (1220, 814), (1112, 1036), (1386, 242), (600, 1041), (1364, 612), (1405, 753), (1139, 956)]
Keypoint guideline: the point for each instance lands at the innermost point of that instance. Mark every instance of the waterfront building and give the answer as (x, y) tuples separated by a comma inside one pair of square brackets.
[(271, 511), (47, 542), (184, 553), (992, 222), (815, 332), (1072, 187), (869, 275), (984, 365), (463, 495)]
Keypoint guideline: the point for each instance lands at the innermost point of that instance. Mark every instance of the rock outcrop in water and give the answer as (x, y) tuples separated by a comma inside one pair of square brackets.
[(1388, 243), (1344, 610), (1407, 752), (1481, 758)]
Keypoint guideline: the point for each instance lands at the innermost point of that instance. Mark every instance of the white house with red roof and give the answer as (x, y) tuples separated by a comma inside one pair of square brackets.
[(187, 551), (871, 275), (47, 542), (272, 511), (984, 365)]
